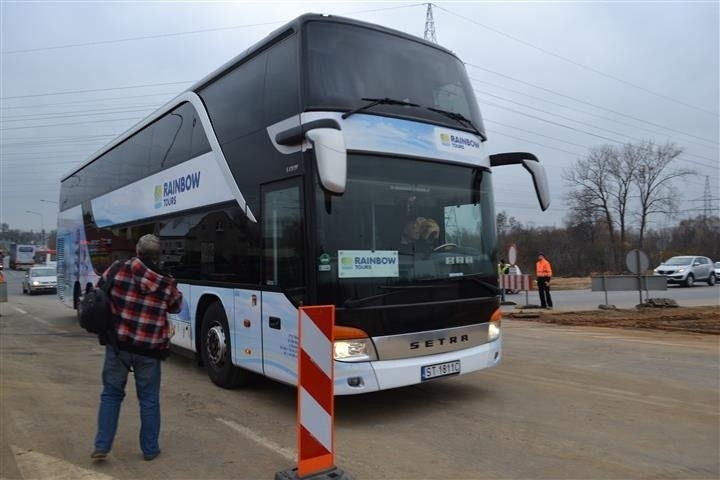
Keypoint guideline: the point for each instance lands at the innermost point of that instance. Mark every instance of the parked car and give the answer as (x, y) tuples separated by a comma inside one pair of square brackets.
[(40, 279), (687, 269), (717, 271)]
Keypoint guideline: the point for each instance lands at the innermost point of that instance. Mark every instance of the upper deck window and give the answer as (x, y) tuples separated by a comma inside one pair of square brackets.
[(346, 63)]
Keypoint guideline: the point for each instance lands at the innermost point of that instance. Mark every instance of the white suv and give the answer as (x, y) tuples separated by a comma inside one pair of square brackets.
[(686, 270)]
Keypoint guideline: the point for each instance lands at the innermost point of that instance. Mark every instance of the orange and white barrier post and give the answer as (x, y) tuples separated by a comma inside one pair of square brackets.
[(515, 282), (316, 397)]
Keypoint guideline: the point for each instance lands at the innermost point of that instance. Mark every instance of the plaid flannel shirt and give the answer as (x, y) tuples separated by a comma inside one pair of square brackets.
[(140, 301)]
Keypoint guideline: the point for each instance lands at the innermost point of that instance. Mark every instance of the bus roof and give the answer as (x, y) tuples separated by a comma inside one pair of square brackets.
[(277, 34)]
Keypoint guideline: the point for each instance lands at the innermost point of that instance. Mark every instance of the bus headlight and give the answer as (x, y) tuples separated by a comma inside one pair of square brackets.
[(354, 350), (493, 331)]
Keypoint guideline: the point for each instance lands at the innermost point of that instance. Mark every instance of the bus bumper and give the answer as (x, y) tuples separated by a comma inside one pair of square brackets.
[(364, 377)]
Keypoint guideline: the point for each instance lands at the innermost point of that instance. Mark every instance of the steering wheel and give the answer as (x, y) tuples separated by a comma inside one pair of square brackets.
[(444, 246)]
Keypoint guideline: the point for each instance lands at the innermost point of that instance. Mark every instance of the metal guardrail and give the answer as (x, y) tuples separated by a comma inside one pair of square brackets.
[(625, 283)]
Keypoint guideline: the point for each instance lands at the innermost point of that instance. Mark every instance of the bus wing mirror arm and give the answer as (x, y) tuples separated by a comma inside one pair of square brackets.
[(330, 157), (532, 165)]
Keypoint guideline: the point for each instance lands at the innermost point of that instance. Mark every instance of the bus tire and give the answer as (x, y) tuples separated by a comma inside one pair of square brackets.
[(215, 348)]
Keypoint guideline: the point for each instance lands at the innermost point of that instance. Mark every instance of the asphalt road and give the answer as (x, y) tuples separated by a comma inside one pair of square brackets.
[(565, 403), (699, 295)]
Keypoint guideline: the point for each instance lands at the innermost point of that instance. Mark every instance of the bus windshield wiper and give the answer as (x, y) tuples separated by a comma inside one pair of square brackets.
[(488, 286), (393, 290), (360, 301), (460, 118), (378, 101)]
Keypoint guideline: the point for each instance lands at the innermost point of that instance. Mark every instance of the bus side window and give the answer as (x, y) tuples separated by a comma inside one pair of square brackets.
[(283, 240), (281, 81)]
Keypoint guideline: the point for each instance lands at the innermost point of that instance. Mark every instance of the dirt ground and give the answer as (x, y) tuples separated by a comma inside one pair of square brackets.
[(686, 319)]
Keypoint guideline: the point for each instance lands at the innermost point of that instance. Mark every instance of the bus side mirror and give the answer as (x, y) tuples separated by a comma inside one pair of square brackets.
[(330, 157), (532, 165)]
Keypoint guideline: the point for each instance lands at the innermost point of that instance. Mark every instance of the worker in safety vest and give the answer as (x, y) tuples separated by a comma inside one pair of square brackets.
[(502, 269), (543, 270)]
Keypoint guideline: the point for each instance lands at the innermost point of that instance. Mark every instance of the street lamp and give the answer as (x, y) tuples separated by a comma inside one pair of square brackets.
[(42, 224)]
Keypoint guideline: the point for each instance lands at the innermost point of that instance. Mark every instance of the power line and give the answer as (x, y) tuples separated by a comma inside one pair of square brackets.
[(78, 113), (538, 134), (177, 34), (614, 140), (595, 114), (535, 143), (38, 105), (578, 64), (97, 90), (132, 39), (51, 140), (580, 100), (74, 123)]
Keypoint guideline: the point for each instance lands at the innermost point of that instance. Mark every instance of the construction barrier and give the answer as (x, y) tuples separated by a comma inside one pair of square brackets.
[(516, 282), (316, 397), (3, 288)]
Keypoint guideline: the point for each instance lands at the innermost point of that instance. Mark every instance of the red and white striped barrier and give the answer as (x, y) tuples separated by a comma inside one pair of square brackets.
[(515, 282), (316, 395)]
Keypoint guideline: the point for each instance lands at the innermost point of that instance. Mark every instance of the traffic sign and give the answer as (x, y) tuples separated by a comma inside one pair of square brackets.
[(512, 254), (637, 261)]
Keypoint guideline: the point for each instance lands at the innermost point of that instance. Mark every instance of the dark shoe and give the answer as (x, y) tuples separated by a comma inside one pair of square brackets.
[(549, 308), (98, 454), (151, 456)]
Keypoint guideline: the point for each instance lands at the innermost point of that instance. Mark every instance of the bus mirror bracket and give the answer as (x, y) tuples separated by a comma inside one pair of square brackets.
[(295, 135), (331, 157), (531, 163)]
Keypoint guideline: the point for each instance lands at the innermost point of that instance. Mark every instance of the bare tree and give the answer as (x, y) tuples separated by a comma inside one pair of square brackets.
[(623, 167), (654, 178), (594, 188)]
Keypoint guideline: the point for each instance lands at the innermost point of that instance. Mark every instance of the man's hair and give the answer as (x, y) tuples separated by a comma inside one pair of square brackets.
[(148, 247)]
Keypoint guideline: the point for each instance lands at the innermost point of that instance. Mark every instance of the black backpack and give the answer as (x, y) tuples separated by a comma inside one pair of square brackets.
[(94, 309)]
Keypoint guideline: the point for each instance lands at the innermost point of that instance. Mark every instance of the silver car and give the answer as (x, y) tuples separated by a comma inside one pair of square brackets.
[(40, 279), (686, 270)]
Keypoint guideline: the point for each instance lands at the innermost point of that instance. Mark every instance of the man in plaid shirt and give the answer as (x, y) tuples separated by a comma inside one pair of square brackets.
[(140, 301)]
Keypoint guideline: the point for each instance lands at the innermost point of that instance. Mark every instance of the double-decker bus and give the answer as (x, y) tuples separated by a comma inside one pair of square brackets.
[(333, 163)]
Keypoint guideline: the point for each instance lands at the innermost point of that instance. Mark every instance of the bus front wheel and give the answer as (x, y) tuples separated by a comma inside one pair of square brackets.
[(216, 353)]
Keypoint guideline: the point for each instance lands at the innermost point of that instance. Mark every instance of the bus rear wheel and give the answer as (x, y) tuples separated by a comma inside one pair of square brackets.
[(215, 348)]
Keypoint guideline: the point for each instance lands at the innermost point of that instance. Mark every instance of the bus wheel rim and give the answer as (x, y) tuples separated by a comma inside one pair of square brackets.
[(215, 345)]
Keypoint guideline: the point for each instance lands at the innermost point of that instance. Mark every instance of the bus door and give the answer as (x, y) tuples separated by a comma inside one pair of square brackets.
[(283, 227)]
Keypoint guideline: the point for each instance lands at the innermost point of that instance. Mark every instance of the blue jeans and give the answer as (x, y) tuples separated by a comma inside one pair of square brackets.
[(147, 385)]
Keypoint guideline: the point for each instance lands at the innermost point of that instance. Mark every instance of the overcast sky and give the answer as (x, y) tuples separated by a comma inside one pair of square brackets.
[(551, 78)]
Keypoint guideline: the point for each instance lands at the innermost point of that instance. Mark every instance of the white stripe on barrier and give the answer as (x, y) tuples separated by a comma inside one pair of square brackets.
[(316, 345), (313, 414), (515, 282)]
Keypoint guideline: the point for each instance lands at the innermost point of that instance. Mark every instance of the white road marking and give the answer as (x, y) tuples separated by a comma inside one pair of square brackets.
[(38, 319), (34, 464), (267, 443)]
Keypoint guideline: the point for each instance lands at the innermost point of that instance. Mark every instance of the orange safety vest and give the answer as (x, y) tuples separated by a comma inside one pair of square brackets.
[(543, 268)]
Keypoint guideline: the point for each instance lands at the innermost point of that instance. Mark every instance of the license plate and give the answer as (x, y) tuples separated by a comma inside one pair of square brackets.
[(440, 370)]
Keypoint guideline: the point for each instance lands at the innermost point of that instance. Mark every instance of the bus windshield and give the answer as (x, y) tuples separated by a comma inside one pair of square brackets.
[(427, 222), (348, 63)]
